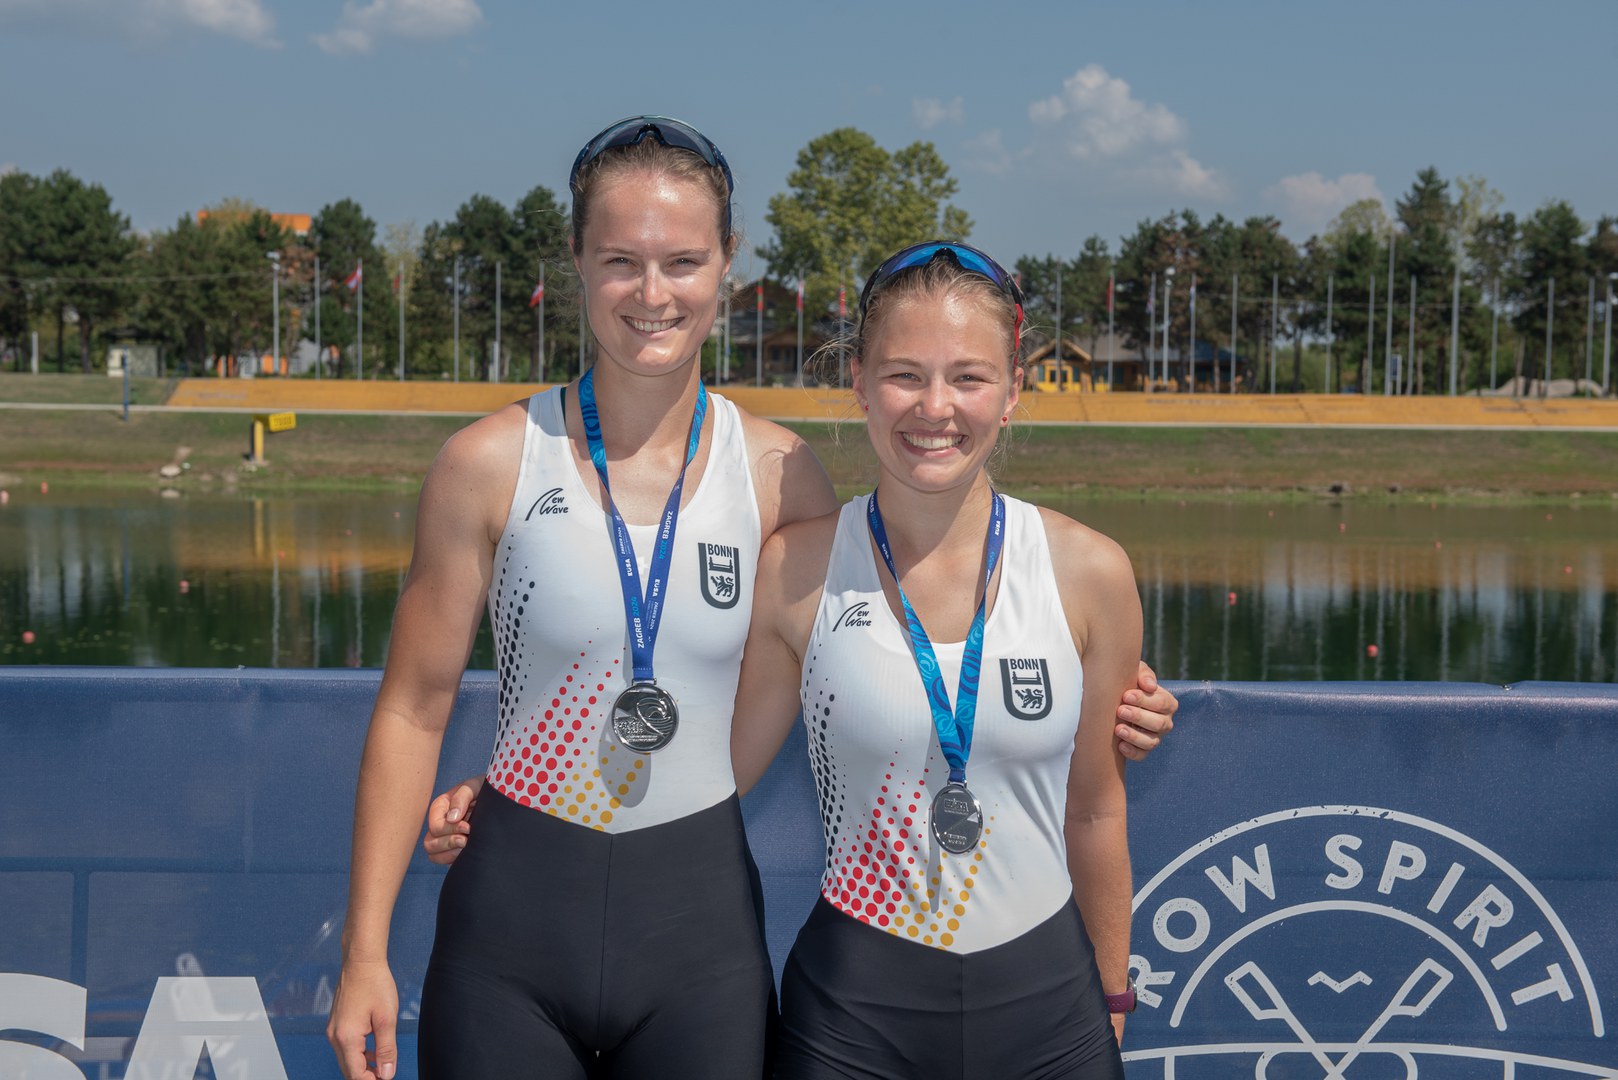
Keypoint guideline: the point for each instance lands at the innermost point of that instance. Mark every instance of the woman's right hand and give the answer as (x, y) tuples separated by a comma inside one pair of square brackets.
[(449, 821), (366, 1003)]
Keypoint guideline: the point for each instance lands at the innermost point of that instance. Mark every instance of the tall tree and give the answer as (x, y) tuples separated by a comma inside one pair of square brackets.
[(850, 203), (1552, 248), (342, 237), (82, 246)]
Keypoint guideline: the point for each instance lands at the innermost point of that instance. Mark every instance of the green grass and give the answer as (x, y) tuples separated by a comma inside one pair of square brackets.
[(390, 453), (96, 389)]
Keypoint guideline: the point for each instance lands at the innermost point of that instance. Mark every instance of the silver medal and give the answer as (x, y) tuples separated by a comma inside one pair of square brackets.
[(644, 718), (956, 819)]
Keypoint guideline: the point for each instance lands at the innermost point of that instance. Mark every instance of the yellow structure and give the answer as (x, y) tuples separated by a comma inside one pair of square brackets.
[(829, 404)]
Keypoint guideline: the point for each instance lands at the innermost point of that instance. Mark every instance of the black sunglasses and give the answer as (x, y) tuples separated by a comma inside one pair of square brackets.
[(666, 130)]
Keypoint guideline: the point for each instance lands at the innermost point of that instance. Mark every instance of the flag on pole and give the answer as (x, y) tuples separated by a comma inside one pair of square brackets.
[(1193, 294), (1109, 294), (537, 296), (842, 302), (800, 294), (395, 282), (758, 291), (353, 280)]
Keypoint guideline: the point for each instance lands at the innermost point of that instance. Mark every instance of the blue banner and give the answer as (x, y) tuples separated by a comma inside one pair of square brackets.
[(1332, 880)]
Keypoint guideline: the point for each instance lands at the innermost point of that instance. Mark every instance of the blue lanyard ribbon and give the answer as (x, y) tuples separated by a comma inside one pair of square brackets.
[(642, 611), (954, 728)]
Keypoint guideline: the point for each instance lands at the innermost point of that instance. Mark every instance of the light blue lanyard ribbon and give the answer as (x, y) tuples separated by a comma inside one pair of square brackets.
[(954, 728), (642, 611)]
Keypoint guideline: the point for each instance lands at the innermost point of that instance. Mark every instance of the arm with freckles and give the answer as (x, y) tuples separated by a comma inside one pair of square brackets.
[(437, 617), (1097, 588), (791, 575)]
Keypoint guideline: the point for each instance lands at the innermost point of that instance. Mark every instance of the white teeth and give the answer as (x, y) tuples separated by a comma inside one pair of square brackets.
[(652, 327), (932, 442)]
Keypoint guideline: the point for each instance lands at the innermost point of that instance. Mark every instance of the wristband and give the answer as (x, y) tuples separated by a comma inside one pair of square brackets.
[(1122, 1003)]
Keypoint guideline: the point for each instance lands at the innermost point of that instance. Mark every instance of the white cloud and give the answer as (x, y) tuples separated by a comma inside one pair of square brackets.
[(245, 20), (930, 112), (1102, 122), (986, 152), (361, 25), (1309, 201)]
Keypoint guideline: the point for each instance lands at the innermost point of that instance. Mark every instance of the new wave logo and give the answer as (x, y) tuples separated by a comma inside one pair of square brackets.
[(858, 614), (552, 502), (1356, 943)]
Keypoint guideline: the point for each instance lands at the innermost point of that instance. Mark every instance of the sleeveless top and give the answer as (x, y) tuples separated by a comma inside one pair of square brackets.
[(877, 762), (563, 649)]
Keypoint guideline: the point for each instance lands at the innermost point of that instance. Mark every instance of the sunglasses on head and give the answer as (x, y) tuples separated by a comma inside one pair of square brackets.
[(965, 256), (630, 131)]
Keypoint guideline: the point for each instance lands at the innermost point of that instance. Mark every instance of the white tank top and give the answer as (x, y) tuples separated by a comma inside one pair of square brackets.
[(877, 762), (562, 645)]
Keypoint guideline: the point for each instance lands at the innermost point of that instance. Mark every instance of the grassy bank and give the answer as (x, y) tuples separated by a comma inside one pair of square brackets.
[(390, 453)]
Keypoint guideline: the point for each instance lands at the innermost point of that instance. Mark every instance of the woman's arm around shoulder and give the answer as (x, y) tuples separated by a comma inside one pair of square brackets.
[(1097, 587), (791, 575)]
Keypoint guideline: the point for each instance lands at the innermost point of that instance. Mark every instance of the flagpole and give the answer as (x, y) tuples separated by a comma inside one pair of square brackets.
[(541, 357), (800, 327), (319, 359), (457, 283), (1151, 332), (1235, 297), (1061, 367), (1191, 361), (401, 318), (494, 366), (359, 346), (758, 344), (1112, 342)]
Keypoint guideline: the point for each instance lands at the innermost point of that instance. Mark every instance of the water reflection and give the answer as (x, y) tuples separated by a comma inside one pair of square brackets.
[(1231, 591)]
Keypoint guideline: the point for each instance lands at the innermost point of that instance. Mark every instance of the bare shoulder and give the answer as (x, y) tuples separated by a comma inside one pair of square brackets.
[(1093, 572), (791, 575), (475, 471), (790, 481), (1076, 547)]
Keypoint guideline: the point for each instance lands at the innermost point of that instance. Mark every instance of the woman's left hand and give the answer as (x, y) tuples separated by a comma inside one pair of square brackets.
[(1145, 717)]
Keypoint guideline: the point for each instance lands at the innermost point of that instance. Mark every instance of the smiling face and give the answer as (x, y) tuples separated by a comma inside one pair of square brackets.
[(937, 384), (651, 262)]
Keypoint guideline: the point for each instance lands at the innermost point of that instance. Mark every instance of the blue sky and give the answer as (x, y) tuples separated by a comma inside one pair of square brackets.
[(1059, 119)]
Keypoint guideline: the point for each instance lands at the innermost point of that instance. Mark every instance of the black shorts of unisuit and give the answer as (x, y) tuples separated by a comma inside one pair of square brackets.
[(562, 952), (857, 1002)]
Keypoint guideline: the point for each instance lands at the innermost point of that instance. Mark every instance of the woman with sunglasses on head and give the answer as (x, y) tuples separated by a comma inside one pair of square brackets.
[(604, 923), (960, 736)]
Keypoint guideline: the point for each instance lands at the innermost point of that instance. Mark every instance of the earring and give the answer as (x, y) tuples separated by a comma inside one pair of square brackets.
[(1004, 420)]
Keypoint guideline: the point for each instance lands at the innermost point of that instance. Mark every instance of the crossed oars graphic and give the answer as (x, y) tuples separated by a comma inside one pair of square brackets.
[(1263, 1001)]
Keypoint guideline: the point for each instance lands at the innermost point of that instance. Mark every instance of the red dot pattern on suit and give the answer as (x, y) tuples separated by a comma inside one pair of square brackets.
[(882, 872), (551, 766)]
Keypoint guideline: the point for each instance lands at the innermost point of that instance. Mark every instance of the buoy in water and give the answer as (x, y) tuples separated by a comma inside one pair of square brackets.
[(1230, 598), (1372, 651), (185, 586), (27, 637)]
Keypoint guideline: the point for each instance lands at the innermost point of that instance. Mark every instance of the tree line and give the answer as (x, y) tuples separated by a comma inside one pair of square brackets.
[(1449, 263)]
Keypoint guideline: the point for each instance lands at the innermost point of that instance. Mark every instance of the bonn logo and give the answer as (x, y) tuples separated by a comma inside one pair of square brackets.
[(1354, 943), (718, 570), (549, 503), (1025, 686)]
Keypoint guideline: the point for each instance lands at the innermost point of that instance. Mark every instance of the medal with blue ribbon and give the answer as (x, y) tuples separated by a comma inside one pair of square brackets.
[(956, 818), (644, 715)]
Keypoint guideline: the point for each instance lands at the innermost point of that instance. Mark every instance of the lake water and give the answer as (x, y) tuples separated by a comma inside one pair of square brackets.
[(1231, 591)]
